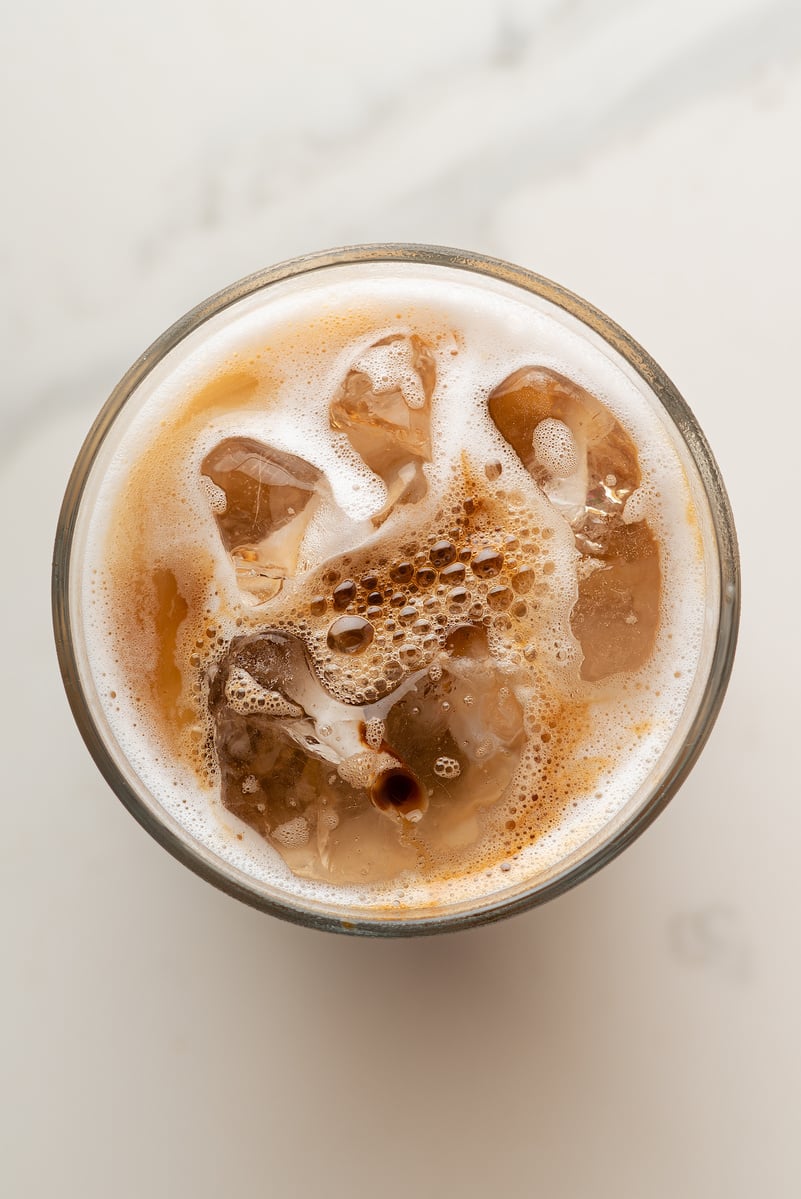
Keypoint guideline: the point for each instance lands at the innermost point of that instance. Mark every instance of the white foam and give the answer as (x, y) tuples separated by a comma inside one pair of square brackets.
[(245, 696), (486, 331), (389, 368), (555, 447)]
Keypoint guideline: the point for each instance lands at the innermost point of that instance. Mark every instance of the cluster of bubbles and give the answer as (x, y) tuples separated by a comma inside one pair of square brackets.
[(370, 620), (247, 698)]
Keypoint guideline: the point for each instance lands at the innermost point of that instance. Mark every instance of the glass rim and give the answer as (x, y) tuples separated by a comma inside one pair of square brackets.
[(228, 878)]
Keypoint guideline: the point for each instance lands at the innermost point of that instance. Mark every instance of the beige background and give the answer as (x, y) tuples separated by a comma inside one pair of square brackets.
[(639, 1036)]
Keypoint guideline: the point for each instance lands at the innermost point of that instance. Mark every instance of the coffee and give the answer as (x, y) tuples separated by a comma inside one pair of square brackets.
[(395, 586)]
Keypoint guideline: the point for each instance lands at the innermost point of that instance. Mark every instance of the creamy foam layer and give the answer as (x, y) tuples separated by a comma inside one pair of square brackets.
[(267, 369)]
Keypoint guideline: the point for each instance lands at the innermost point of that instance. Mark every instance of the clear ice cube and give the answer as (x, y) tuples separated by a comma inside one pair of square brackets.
[(383, 407), (587, 465), (263, 502), (616, 615), (461, 723), (297, 767)]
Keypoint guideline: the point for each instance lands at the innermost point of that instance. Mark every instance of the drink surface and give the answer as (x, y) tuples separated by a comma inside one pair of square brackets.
[(395, 591)]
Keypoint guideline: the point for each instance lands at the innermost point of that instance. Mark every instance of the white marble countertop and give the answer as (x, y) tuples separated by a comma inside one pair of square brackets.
[(639, 1036)]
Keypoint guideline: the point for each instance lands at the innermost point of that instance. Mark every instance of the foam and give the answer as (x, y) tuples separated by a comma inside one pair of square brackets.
[(555, 447), (389, 367), (297, 341), (246, 696)]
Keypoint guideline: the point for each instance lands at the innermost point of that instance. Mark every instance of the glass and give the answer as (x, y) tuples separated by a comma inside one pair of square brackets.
[(723, 599)]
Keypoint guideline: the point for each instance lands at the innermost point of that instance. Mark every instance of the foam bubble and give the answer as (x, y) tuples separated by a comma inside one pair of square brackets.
[(246, 697), (447, 768), (374, 733), (293, 833), (389, 368), (555, 447), (362, 769)]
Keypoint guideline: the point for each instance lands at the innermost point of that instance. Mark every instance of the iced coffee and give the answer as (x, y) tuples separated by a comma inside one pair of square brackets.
[(395, 587)]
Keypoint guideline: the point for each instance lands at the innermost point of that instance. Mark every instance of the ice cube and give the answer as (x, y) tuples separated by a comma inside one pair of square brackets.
[(299, 768), (353, 794), (383, 407), (263, 502), (616, 616), (595, 468), (461, 724), (588, 467)]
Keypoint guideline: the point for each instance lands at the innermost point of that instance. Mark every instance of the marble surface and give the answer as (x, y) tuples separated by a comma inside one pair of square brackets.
[(639, 1036)]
